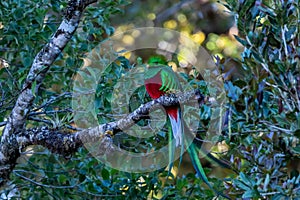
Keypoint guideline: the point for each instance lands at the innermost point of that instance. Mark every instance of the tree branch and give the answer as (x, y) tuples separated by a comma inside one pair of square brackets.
[(67, 143), (9, 148)]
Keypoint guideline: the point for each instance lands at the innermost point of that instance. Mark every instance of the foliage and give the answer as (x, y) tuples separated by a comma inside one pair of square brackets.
[(26, 26), (261, 133)]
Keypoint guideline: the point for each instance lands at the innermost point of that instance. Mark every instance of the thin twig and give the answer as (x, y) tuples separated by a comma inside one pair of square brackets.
[(44, 185), (51, 112), (52, 100)]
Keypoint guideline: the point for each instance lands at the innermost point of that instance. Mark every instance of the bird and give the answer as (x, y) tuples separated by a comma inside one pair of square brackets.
[(159, 80)]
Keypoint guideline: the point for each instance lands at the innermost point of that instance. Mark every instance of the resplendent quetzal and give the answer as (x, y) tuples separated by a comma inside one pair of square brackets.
[(161, 80)]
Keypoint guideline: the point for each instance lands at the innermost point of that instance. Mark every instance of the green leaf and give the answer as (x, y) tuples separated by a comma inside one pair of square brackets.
[(26, 60), (249, 194), (241, 185), (18, 13), (257, 56), (233, 91), (62, 179), (105, 174), (266, 183), (97, 188), (245, 179)]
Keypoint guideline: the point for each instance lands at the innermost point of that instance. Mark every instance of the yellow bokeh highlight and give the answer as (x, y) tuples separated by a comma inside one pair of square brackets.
[(171, 24), (151, 16), (221, 41), (181, 18), (211, 45), (123, 28), (198, 37), (136, 33), (187, 28), (128, 39), (185, 32), (213, 37), (183, 56), (228, 50)]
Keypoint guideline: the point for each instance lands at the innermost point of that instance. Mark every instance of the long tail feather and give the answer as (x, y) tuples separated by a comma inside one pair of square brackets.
[(197, 164), (171, 149), (193, 151), (177, 128), (210, 157), (178, 131)]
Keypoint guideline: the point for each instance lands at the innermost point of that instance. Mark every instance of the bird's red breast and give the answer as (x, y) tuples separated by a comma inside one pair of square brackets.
[(153, 86)]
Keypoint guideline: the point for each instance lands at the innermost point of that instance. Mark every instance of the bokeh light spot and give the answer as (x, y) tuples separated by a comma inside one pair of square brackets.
[(151, 16), (128, 39), (198, 37), (210, 45), (171, 24), (181, 18)]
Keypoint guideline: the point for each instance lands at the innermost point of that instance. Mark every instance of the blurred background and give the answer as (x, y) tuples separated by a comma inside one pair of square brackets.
[(207, 23)]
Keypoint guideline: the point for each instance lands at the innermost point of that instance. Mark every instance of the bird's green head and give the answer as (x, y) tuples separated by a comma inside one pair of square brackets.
[(157, 59)]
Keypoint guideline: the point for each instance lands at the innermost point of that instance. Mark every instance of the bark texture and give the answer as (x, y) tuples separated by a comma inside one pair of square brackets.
[(9, 144)]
